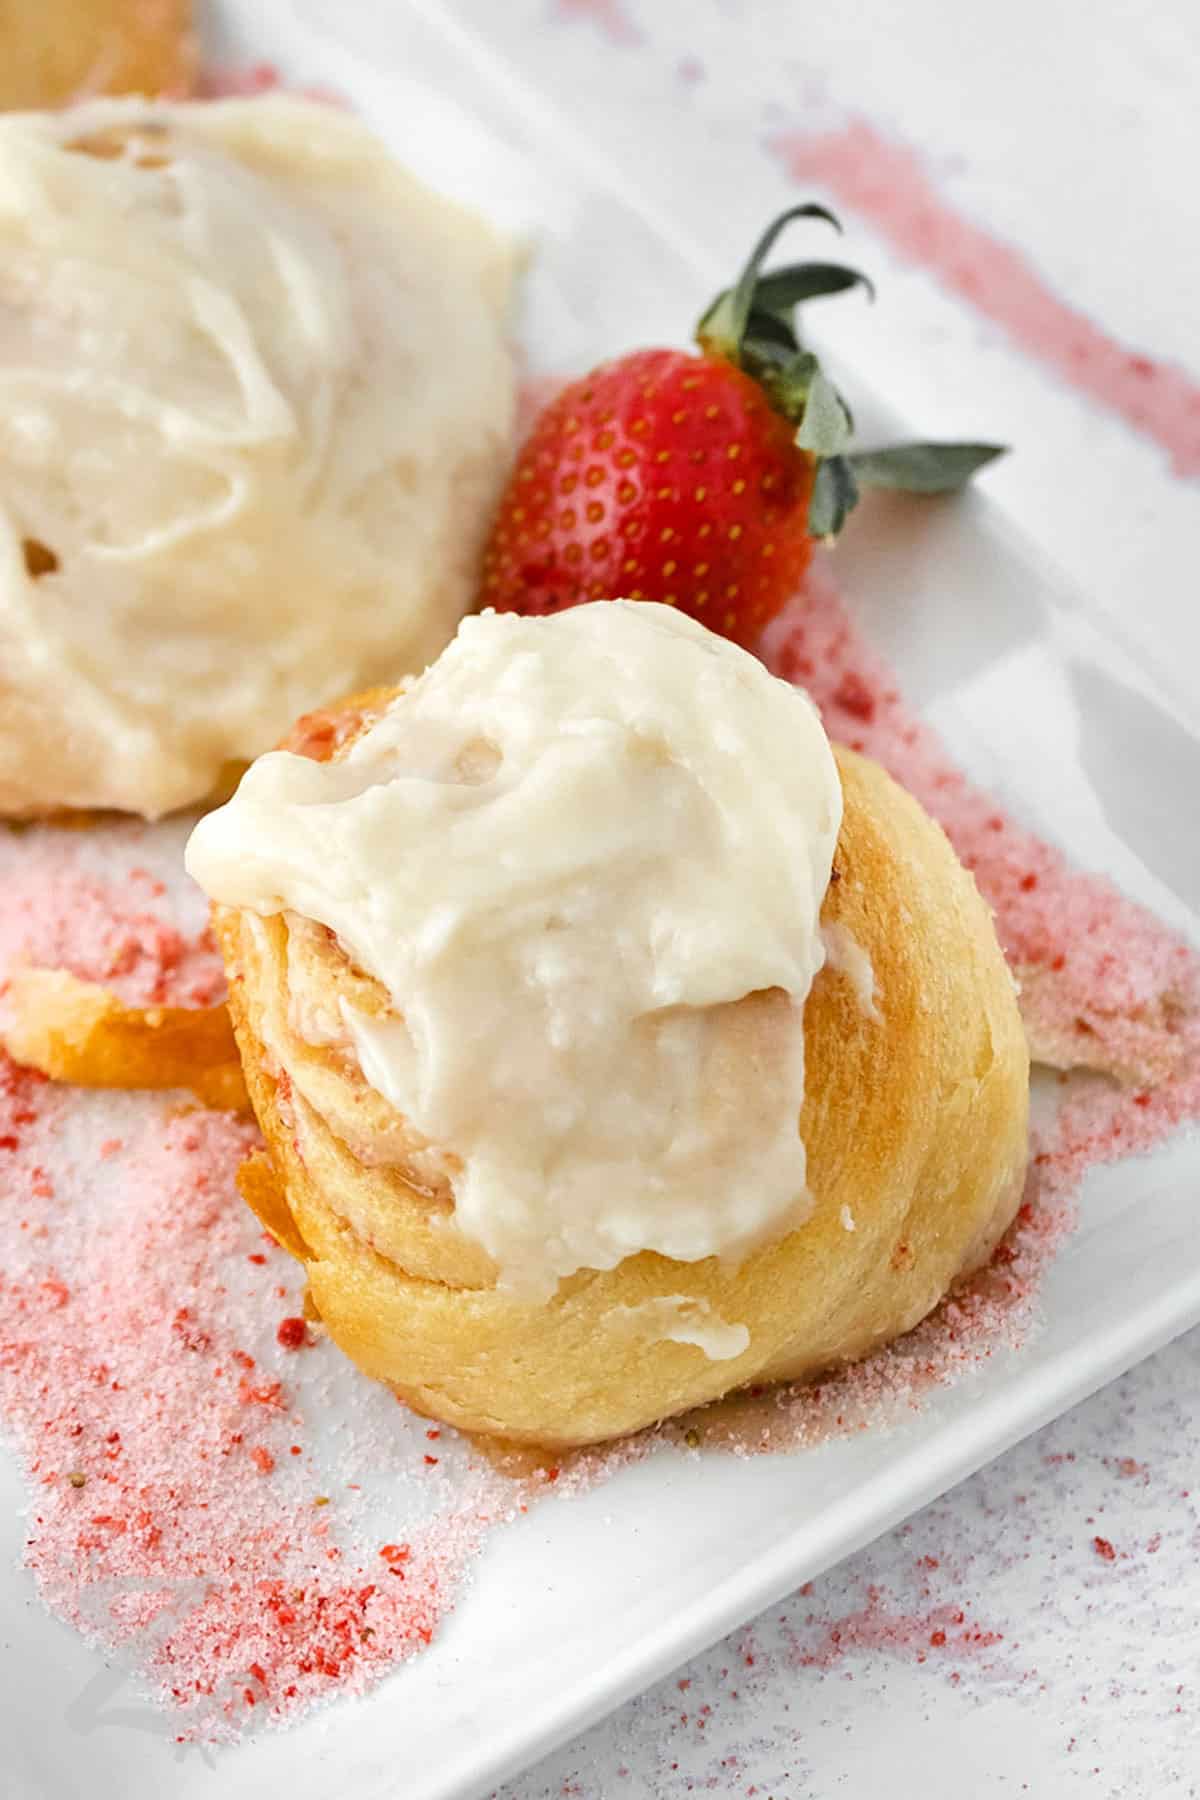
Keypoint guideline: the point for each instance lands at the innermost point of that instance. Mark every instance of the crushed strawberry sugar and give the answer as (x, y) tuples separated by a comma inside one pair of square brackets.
[(118, 933), (249, 81), (889, 183), (153, 1437), (163, 1390), (239, 82), (944, 1631)]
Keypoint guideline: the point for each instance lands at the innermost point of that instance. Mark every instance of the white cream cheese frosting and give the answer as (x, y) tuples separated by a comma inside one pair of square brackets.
[(682, 1319), (567, 852), (844, 953), (256, 400)]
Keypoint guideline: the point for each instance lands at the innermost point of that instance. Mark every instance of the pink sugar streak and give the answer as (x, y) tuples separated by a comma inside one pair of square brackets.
[(249, 81), (888, 184), (608, 16), (238, 82)]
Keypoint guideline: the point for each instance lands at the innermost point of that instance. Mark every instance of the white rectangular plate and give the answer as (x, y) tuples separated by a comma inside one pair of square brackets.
[(586, 1601)]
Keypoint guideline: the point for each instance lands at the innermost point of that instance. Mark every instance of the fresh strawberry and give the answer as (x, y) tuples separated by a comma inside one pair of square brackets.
[(700, 480), (662, 476)]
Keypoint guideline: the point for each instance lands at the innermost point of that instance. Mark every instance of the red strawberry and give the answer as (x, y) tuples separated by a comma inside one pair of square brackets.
[(699, 480), (661, 476)]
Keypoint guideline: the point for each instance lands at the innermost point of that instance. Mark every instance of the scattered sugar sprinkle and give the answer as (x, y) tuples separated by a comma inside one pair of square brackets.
[(153, 1439), (156, 1373), (996, 1595), (118, 933), (943, 1630), (248, 81), (610, 18)]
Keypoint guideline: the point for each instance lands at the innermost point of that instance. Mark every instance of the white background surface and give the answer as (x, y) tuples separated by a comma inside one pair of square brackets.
[(1069, 129), (1080, 1669)]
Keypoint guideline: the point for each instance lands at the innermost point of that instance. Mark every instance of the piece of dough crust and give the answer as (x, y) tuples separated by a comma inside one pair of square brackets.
[(62, 50)]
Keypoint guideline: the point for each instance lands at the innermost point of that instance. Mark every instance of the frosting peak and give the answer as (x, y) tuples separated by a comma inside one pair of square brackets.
[(586, 857)]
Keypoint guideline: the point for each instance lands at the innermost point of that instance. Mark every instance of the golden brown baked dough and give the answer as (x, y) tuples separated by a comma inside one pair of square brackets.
[(80, 1032), (62, 50), (915, 1121)]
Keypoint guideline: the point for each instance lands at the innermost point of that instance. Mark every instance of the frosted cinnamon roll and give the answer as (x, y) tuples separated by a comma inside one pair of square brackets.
[(257, 403), (616, 1044)]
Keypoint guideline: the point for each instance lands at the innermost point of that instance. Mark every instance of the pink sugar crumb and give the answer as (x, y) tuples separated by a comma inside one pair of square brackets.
[(59, 916), (247, 81), (611, 19), (239, 82), (944, 1631), (153, 886)]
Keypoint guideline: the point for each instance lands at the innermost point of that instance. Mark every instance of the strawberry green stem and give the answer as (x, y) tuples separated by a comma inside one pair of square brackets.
[(753, 325)]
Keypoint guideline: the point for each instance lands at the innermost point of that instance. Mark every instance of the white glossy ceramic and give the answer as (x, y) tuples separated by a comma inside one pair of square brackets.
[(584, 1602)]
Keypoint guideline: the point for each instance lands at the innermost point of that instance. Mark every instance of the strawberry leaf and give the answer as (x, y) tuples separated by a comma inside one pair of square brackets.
[(825, 426), (834, 494), (723, 326), (923, 468), (789, 287), (786, 379), (775, 299), (768, 329)]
